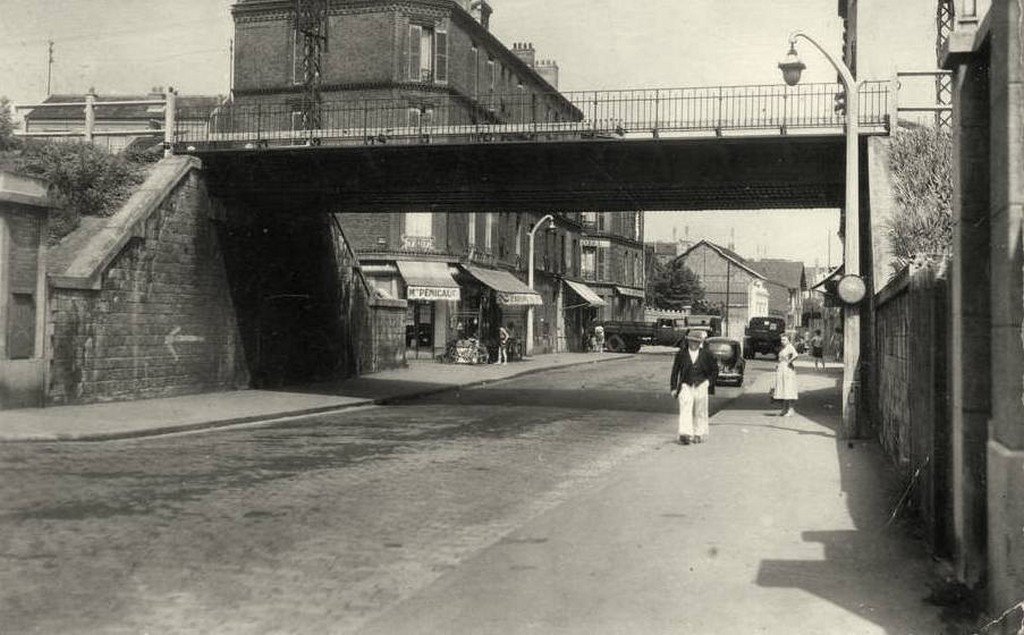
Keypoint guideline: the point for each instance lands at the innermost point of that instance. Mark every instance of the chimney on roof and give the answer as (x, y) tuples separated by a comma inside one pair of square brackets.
[(732, 239), (525, 52), (548, 69)]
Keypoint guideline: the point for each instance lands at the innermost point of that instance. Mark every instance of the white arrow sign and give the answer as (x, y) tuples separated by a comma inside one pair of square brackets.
[(173, 338)]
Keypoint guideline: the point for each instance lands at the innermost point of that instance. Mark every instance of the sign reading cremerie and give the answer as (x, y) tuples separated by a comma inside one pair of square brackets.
[(434, 293)]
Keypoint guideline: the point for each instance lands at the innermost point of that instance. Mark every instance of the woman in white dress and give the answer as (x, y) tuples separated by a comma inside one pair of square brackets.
[(785, 377)]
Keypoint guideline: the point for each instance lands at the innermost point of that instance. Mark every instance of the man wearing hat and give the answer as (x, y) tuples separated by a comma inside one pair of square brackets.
[(693, 379)]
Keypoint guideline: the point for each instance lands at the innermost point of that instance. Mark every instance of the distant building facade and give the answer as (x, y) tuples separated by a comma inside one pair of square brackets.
[(730, 282), (613, 262), (464, 275), (116, 126), (787, 285)]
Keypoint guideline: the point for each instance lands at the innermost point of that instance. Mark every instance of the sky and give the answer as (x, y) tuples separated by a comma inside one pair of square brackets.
[(131, 46)]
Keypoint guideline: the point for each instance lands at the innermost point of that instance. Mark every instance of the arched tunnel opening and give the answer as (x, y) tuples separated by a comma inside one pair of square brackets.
[(288, 294)]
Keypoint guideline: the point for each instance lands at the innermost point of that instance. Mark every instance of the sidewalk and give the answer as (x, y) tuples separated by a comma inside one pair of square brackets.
[(775, 525), (149, 417)]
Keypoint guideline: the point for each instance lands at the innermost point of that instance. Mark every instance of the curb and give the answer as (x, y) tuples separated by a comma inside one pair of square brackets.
[(234, 421)]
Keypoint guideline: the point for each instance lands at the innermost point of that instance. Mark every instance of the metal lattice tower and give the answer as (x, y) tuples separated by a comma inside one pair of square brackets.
[(311, 31), (944, 23)]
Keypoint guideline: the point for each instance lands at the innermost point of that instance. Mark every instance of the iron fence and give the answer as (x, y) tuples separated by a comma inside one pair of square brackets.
[(768, 109)]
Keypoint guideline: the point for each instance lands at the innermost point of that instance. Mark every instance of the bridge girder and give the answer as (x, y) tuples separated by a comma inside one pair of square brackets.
[(613, 175)]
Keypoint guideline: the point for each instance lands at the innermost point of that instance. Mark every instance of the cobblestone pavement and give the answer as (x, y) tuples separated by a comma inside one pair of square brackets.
[(315, 525)]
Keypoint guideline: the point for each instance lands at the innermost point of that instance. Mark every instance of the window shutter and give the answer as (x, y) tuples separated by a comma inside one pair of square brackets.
[(415, 118), (415, 63), (441, 59)]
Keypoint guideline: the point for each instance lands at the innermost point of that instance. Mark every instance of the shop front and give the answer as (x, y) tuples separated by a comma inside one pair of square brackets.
[(580, 314), (492, 299), (433, 297)]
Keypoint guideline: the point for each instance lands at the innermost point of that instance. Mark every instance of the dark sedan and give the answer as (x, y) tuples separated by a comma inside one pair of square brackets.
[(731, 364)]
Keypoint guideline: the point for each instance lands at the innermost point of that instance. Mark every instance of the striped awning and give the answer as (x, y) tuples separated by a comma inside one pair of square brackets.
[(429, 281), (586, 293), (509, 289)]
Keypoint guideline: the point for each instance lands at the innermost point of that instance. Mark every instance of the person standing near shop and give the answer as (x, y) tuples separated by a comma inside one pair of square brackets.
[(503, 341), (693, 380), (599, 338)]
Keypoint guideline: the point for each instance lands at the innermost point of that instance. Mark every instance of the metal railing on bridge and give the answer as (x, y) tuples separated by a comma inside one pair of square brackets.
[(615, 114)]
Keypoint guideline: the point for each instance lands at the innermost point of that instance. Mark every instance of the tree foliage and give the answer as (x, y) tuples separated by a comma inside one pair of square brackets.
[(921, 164), (87, 180), (673, 286), (7, 139)]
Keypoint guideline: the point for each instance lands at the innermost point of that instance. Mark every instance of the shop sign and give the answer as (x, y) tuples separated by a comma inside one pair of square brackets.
[(596, 242), (432, 294), (510, 298)]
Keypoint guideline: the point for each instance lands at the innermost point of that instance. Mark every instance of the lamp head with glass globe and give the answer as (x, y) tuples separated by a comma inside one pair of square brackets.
[(791, 66)]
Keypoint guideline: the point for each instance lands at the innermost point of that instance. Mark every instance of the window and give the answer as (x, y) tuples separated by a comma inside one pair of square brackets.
[(420, 224), (474, 61), (566, 256), (21, 340), (472, 229), (428, 54), (588, 264), (489, 232)]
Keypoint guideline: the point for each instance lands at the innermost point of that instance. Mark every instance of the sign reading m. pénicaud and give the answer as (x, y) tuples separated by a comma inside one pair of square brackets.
[(433, 294)]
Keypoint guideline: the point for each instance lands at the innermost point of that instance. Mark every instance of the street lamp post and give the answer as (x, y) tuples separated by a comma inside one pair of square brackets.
[(529, 282), (791, 68)]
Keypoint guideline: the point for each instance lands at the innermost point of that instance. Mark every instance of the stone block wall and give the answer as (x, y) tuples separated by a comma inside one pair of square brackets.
[(161, 322), (382, 341)]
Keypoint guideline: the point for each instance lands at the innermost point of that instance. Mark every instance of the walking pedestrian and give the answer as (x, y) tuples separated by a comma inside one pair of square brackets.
[(818, 349), (693, 379), (785, 377)]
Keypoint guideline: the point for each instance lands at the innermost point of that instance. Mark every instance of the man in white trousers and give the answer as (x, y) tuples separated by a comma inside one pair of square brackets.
[(693, 379)]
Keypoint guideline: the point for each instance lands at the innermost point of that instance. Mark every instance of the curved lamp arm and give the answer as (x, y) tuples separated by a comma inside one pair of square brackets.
[(848, 81), (543, 220)]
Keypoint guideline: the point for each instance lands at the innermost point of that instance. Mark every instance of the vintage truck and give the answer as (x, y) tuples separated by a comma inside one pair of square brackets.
[(628, 337), (763, 335)]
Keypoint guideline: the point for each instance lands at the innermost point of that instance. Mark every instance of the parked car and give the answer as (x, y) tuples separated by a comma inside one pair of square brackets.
[(731, 365), (763, 335)]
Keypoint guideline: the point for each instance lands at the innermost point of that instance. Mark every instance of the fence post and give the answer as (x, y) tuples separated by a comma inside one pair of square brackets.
[(170, 112), (894, 104), (90, 114)]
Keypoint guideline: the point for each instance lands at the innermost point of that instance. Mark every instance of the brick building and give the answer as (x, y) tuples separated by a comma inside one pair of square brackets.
[(613, 262), (729, 282), (436, 62), (413, 62)]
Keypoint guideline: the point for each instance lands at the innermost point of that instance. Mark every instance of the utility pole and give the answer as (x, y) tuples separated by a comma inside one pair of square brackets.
[(49, 70), (728, 292)]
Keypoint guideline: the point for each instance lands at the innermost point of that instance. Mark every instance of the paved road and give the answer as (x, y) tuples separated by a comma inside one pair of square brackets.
[(312, 526), (420, 517)]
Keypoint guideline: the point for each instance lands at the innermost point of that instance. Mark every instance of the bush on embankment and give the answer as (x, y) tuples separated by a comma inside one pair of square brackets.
[(87, 180), (921, 165)]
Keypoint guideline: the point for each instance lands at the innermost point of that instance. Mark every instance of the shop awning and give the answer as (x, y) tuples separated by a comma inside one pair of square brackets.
[(630, 293), (510, 290), (428, 281), (586, 293)]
